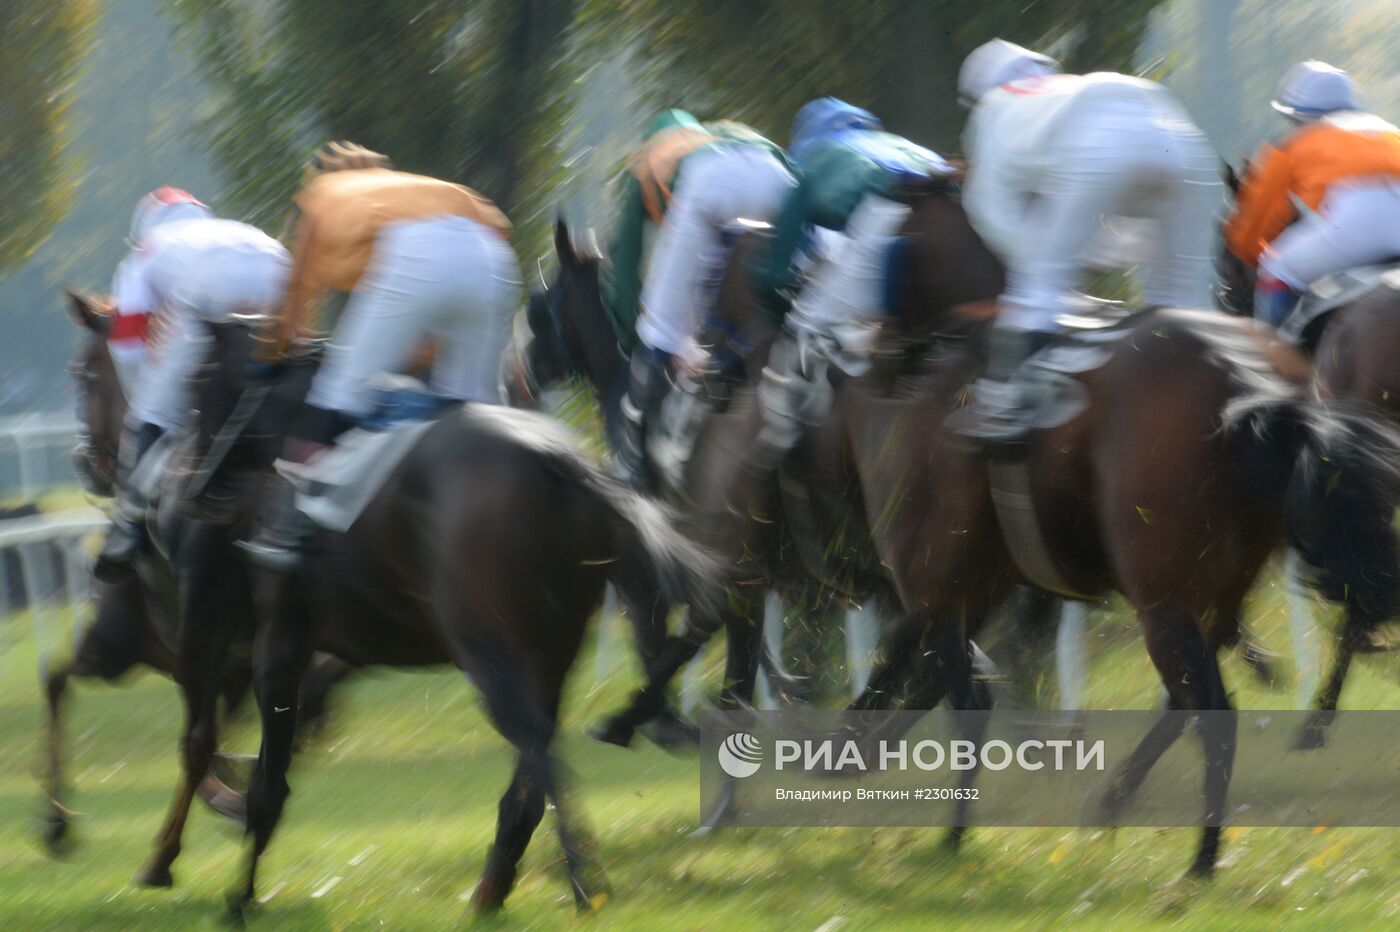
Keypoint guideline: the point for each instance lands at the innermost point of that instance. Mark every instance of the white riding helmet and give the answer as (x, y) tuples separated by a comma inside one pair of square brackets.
[(1312, 89), (994, 63), (163, 205)]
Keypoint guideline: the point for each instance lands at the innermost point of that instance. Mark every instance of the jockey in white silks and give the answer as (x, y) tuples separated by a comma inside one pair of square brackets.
[(1053, 157), (186, 267)]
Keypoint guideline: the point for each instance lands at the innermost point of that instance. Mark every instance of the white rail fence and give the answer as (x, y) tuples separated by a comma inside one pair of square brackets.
[(43, 565)]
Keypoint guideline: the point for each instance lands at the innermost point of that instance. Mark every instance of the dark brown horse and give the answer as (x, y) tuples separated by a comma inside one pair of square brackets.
[(1201, 450), (730, 502), (1353, 349), (132, 625), (487, 548)]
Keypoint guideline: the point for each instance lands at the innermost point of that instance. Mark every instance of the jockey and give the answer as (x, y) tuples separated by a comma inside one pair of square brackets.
[(852, 176), (420, 258), (1340, 163), (698, 177), (1052, 158), (185, 267)]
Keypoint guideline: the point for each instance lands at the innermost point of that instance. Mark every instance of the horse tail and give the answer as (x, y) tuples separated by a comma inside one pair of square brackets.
[(648, 546), (651, 547), (1341, 489)]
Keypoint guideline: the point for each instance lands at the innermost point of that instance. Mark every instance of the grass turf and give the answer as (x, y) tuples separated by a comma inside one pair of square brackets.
[(391, 813)]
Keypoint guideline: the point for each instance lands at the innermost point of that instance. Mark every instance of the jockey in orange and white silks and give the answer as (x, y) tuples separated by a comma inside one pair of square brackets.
[(186, 268), (1052, 157), (1341, 164), (421, 258)]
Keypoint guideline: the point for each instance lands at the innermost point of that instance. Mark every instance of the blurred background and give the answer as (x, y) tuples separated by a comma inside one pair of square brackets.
[(533, 102)]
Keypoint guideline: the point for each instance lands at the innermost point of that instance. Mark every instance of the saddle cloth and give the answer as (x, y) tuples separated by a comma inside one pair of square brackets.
[(1333, 291), (334, 488)]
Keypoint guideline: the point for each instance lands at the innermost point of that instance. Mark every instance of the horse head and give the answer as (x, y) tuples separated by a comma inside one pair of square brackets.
[(568, 333), (101, 401)]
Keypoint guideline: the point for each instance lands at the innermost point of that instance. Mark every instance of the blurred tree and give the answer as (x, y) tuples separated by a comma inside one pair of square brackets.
[(42, 44), (468, 91), (759, 60)]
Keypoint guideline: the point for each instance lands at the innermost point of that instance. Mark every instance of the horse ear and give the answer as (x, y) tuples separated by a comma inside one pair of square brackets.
[(1232, 179), (563, 242), (87, 312)]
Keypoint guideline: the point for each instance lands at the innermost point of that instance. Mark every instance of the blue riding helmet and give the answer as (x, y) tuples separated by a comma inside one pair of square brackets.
[(820, 119)]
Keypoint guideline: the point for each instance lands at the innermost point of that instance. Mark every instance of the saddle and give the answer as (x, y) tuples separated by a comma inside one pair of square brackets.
[(334, 488), (1337, 290)]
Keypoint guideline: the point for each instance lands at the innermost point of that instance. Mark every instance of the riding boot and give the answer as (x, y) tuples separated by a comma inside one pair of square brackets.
[(127, 535), (1002, 404), (284, 528), (783, 393), (648, 383)]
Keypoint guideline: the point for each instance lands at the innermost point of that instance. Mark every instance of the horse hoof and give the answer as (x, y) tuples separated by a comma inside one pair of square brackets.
[(587, 905), (155, 876), (239, 905), (1176, 896), (673, 733), (56, 838), (1310, 738), (613, 731), (951, 845)]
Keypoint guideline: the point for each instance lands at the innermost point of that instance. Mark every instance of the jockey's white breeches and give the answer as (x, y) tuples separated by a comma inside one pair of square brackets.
[(1356, 224), (849, 288), (1124, 158), (444, 277), (212, 286), (715, 187)]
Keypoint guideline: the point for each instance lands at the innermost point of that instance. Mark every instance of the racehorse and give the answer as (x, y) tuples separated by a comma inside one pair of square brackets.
[(1353, 352), (131, 626), (487, 547), (729, 503), (1199, 450)]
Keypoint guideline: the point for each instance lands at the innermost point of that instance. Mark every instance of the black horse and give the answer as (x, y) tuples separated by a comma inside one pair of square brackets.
[(488, 547)]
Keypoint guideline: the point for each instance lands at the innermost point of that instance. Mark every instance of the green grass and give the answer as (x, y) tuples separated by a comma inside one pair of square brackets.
[(392, 812)]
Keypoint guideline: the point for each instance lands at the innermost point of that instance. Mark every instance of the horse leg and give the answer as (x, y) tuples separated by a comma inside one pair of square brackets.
[(950, 653), (648, 702), (520, 812), (281, 653), (897, 655), (57, 821), (204, 641), (1314, 731), (743, 645), (529, 725), (648, 616), (196, 748), (1191, 674)]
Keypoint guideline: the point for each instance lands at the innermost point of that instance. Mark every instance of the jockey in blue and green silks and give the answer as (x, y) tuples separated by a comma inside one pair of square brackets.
[(853, 174), (690, 179)]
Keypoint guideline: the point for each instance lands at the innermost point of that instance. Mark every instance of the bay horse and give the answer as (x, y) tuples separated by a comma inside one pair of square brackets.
[(488, 547), (1200, 451), (1353, 350), (132, 625)]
